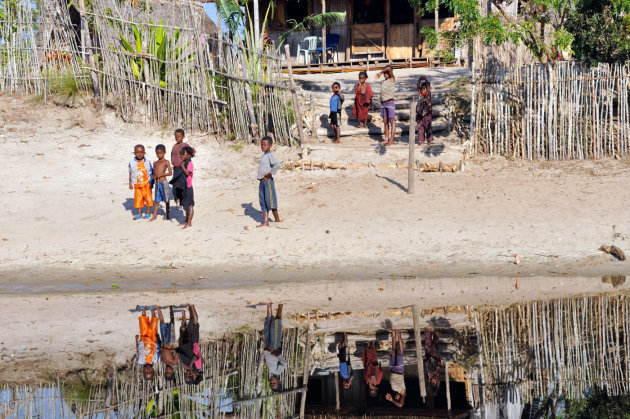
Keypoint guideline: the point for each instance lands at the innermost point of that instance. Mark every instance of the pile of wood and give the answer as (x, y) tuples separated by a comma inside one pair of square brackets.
[(421, 167)]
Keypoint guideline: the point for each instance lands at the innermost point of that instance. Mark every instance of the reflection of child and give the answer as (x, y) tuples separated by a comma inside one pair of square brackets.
[(397, 371), (345, 368), (276, 363), (362, 99), (188, 349), (168, 355), (161, 169), (140, 176), (146, 344), (424, 111), (336, 102)]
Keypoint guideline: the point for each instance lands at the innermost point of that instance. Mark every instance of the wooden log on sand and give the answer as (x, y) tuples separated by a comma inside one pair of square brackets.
[(421, 167), (614, 251)]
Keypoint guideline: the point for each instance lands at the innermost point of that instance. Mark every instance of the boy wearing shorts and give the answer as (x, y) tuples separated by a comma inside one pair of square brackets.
[(336, 101), (140, 178), (161, 169), (268, 167), (168, 355)]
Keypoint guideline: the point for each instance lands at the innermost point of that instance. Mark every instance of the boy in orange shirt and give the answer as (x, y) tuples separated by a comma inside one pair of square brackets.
[(140, 178), (146, 343)]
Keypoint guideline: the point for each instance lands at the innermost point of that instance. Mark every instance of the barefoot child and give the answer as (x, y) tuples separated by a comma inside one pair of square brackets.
[(140, 178), (362, 99), (397, 371), (168, 355), (188, 349), (276, 363), (336, 101), (268, 167), (424, 111), (373, 371), (188, 197), (161, 169), (388, 106), (146, 344), (179, 180)]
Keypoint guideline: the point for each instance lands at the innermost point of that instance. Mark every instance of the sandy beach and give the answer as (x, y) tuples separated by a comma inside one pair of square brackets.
[(67, 226)]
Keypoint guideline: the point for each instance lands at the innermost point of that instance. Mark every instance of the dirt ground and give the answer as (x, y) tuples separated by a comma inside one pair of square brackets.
[(67, 226)]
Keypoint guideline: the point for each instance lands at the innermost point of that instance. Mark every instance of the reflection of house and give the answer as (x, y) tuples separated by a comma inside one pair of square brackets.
[(385, 28)]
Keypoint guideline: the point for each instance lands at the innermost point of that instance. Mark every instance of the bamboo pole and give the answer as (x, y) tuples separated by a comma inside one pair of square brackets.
[(324, 52), (419, 353), (296, 106), (411, 188), (448, 389), (306, 372), (337, 402)]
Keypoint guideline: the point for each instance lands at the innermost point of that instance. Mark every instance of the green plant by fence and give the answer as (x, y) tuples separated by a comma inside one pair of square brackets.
[(564, 111)]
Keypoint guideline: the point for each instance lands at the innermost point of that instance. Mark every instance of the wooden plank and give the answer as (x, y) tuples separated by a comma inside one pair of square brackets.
[(367, 38), (412, 157), (419, 352)]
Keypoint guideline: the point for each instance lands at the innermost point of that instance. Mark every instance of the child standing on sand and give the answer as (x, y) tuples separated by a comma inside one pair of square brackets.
[(336, 102), (424, 111), (188, 197), (268, 167), (362, 99), (161, 169), (388, 106), (140, 178), (179, 180)]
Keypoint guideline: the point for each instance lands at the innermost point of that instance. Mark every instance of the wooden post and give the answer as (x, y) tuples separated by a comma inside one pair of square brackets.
[(337, 403), (296, 105), (306, 371), (388, 13), (419, 352), (256, 25), (448, 389), (253, 126), (220, 42), (324, 53), (412, 149), (415, 32), (437, 23), (96, 86), (349, 20)]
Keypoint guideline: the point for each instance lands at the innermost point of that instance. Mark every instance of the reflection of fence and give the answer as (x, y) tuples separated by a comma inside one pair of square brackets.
[(163, 72), (233, 385), (559, 348), (566, 111)]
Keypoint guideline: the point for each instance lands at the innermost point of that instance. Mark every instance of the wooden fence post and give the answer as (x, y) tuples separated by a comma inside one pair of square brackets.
[(248, 93), (412, 146), (306, 371), (448, 389), (419, 352), (296, 105), (337, 402), (87, 49)]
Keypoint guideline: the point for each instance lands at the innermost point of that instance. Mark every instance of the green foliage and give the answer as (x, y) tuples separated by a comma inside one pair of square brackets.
[(598, 404), (601, 30), (430, 37), (313, 21)]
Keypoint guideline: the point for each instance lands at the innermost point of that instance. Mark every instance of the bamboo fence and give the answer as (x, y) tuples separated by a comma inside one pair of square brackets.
[(555, 112), (235, 384), (558, 348), (164, 72)]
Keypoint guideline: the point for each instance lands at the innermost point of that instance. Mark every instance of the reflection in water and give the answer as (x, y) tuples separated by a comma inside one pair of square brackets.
[(495, 363)]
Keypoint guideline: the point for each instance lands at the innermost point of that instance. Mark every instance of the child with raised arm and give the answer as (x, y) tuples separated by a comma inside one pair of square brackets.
[(362, 99), (147, 344), (424, 111), (179, 179), (274, 359), (388, 106), (161, 169), (336, 102), (188, 197), (268, 167), (140, 178)]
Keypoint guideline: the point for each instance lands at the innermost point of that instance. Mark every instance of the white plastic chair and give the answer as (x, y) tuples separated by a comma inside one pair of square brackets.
[(308, 47)]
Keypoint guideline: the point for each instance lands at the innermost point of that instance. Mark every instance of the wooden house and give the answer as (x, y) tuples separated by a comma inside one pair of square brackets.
[(372, 29)]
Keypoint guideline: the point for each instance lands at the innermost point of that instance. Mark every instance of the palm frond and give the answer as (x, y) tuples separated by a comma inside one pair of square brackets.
[(313, 21)]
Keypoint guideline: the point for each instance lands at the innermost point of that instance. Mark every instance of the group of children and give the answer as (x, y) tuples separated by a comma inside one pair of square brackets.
[(153, 347), (145, 177), (363, 99), (149, 181)]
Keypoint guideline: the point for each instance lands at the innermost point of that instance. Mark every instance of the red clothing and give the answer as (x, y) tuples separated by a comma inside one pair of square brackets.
[(371, 365), (176, 158), (362, 102)]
